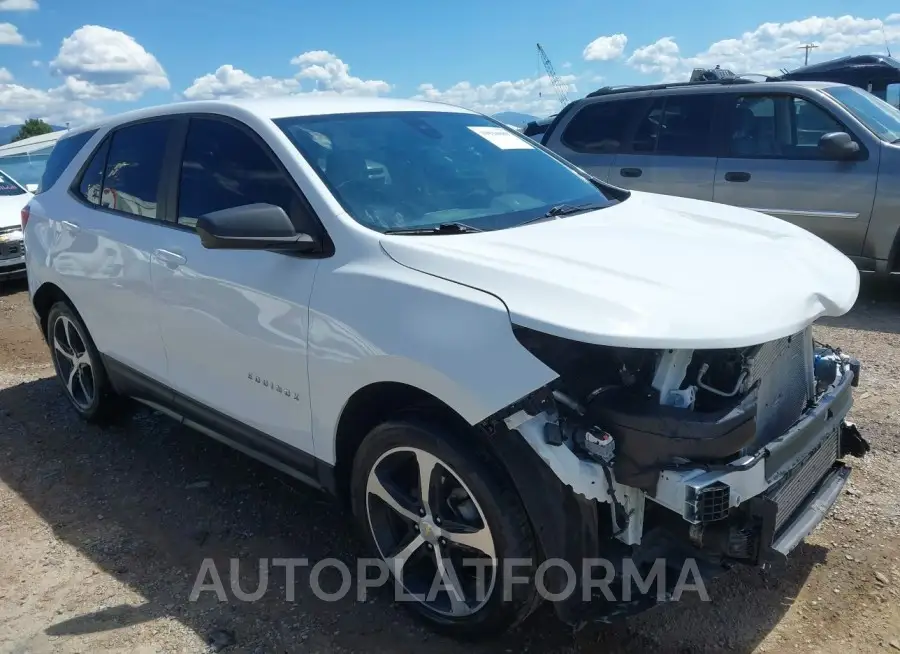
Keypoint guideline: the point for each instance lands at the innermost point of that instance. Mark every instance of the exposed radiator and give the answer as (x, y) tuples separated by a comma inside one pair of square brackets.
[(789, 495), (784, 368)]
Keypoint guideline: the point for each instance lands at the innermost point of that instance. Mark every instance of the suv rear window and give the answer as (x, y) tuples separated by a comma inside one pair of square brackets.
[(61, 156), (601, 127)]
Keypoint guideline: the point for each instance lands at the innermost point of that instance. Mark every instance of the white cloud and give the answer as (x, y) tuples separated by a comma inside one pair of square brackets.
[(18, 5), (534, 95), (5, 76), (662, 56), (771, 45), (9, 35), (95, 63), (231, 82), (319, 72), (18, 103), (605, 48), (331, 74), (101, 63)]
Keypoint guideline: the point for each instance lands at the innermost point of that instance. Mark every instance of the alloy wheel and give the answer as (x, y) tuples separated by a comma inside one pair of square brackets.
[(431, 532), (73, 362)]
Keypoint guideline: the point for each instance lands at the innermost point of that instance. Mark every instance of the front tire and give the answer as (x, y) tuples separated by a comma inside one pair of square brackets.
[(434, 506), (78, 365)]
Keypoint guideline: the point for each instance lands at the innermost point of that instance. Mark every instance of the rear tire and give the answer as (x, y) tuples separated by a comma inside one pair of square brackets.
[(467, 510), (79, 367)]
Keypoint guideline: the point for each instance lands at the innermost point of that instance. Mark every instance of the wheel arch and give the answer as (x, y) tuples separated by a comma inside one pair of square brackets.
[(44, 298), (372, 405)]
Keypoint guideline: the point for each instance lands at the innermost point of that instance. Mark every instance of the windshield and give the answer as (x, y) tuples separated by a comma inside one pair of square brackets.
[(8, 186), (25, 169), (881, 118), (408, 170)]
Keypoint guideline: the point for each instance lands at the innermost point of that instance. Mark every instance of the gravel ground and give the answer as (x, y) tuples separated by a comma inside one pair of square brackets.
[(103, 533)]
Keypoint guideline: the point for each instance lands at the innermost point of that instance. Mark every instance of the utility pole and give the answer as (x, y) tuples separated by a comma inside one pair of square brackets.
[(807, 47)]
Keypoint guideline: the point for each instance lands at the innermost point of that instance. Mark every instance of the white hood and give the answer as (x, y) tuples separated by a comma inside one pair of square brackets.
[(653, 271), (11, 209)]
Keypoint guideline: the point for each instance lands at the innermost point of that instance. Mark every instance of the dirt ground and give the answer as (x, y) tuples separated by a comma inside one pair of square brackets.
[(103, 533)]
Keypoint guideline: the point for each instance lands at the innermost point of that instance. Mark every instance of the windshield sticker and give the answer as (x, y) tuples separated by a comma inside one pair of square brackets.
[(501, 138)]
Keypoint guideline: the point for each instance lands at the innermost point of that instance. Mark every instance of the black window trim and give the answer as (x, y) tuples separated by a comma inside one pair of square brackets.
[(161, 208), (172, 168), (170, 178), (174, 174), (725, 113)]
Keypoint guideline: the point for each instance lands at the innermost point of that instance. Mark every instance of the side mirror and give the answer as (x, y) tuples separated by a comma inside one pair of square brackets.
[(838, 145), (252, 227)]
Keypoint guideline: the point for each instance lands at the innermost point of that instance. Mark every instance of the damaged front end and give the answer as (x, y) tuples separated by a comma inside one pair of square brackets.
[(721, 456)]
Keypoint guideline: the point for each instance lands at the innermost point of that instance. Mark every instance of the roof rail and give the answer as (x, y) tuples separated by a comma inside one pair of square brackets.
[(607, 90)]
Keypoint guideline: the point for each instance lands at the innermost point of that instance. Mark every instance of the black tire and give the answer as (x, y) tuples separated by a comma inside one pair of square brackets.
[(103, 405), (500, 505)]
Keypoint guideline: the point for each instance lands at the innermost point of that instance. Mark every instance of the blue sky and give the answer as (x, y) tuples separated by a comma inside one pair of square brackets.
[(69, 60)]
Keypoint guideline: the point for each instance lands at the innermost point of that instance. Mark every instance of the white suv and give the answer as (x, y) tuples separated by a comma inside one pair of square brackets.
[(484, 352)]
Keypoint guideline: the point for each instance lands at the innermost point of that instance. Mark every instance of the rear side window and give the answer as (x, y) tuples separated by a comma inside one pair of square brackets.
[(8, 187), (61, 156), (224, 167), (601, 127), (133, 168), (677, 125)]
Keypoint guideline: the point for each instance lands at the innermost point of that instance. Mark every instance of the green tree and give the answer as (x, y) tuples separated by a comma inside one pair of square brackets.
[(32, 127)]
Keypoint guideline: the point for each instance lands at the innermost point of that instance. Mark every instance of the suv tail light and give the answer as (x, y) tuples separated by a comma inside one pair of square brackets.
[(26, 212)]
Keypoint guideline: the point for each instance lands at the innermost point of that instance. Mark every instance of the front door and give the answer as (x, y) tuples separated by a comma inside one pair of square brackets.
[(235, 322), (773, 164)]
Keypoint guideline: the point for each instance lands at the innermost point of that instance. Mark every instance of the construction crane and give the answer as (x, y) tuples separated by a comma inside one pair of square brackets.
[(558, 85)]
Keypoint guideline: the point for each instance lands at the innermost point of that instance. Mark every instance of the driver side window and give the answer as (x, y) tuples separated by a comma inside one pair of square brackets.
[(224, 167)]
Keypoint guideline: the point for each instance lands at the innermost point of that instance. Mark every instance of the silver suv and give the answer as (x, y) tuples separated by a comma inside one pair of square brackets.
[(823, 156)]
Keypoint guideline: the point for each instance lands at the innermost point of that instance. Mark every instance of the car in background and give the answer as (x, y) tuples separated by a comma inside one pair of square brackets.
[(824, 156), (876, 73), (13, 197), (25, 160)]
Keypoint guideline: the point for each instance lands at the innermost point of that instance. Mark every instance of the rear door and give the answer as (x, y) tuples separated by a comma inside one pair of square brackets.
[(105, 237), (596, 132), (671, 150), (772, 163)]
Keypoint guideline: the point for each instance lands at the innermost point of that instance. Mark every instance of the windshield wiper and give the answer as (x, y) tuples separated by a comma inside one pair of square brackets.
[(442, 228), (564, 210)]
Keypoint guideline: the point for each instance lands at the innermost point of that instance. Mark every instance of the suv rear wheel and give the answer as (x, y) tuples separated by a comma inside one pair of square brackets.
[(78, 365), (442, 516)]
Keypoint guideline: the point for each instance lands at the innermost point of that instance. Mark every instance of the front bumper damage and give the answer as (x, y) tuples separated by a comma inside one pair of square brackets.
[(753, 508)]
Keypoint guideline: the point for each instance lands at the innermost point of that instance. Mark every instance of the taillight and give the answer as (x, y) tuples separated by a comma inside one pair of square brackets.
[(26, 212)]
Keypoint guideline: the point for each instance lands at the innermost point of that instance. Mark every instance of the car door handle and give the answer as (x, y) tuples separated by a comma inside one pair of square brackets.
[(170, 259), (631, 172), (69, 225), (737, 177)]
